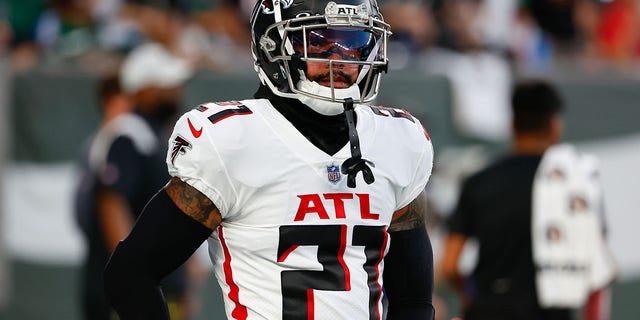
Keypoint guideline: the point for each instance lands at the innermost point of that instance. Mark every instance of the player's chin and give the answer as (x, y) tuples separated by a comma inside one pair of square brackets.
[(337, 84)]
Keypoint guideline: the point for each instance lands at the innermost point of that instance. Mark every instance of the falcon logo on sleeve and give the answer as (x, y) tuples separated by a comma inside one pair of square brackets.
[(180, 146)]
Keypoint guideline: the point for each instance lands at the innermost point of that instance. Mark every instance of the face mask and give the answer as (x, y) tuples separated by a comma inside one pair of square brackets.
[(326, 107)]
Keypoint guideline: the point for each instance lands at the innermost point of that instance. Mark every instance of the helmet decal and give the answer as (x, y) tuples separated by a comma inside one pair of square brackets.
[(333, 8), (267, 5)]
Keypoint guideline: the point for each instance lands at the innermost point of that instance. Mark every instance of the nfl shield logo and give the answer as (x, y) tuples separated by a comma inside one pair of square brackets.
[(333, 174)]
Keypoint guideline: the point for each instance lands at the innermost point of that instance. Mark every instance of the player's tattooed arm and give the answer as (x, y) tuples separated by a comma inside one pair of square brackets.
[(411, 216), (193, 203)]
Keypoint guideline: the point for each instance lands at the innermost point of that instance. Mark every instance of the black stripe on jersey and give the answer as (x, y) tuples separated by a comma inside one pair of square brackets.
[(221, 115), (374, 240)]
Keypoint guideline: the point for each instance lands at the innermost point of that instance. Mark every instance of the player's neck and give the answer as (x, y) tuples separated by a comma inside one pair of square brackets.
[(530, 145), (328, 133)]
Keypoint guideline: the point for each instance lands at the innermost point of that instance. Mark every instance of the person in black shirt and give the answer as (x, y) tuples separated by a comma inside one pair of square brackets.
[(113, 103), (125, 166), (495, 208)]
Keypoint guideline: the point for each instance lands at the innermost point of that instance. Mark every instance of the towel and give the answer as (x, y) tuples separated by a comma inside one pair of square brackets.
[(569, 249)]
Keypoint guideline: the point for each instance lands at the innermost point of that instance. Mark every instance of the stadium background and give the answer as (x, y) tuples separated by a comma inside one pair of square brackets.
[(46, 116)]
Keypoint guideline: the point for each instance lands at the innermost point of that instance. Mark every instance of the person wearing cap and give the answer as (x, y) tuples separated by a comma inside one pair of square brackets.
[(125, 167)]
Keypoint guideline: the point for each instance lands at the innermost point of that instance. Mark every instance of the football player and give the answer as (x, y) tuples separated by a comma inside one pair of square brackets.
[(312, 201)]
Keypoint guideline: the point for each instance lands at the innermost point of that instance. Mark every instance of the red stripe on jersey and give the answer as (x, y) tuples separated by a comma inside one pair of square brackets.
[(285, 254), (239, 311), (384, 246), (343, 246), (597, 306), (310, 306), (426, 134)]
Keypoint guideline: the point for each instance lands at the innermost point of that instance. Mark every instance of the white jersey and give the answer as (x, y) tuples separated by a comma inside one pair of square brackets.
[(295, 242)]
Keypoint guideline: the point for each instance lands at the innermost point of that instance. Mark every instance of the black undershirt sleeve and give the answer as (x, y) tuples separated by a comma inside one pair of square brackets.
[(162, 239), (408, 275)]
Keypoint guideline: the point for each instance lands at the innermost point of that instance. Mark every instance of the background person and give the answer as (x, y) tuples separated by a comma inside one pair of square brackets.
[(495, 207), (127, 166), (114, 103)]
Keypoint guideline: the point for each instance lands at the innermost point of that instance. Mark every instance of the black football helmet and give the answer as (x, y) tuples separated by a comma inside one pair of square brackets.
[(288, 34)]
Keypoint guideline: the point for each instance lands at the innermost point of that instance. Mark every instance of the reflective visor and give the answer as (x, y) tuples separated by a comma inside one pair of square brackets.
[(321, 43)]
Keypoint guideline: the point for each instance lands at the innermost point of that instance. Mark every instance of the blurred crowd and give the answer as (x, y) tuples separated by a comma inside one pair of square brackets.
[(532, 36), (535, 36), (95, 35)]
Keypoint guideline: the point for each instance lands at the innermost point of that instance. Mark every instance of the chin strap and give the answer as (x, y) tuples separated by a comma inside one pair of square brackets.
[(351, 166)]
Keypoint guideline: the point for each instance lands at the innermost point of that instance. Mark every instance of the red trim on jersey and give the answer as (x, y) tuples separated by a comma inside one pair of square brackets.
[(426, 134), (239, 311), (597, 306), (377, 266), (343, 246), (310, 305), (285, 254)]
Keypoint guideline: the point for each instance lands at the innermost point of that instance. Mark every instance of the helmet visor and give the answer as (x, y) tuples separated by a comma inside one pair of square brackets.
[(352, 45)]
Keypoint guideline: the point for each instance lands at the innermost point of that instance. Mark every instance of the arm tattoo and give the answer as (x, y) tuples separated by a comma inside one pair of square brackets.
[(193, 203), (412, 216)]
